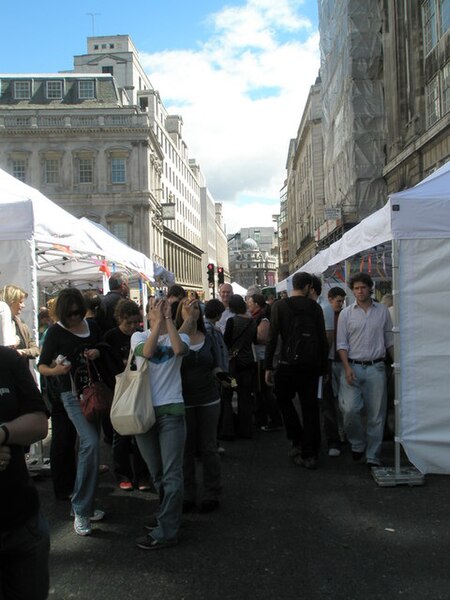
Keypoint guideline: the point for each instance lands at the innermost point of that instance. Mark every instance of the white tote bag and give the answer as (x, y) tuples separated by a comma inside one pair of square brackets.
[(132, 409)]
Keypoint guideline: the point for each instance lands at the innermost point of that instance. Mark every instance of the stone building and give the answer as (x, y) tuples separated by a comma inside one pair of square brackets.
[(250, 263), (99, 141), (416, 44), (305, 182)]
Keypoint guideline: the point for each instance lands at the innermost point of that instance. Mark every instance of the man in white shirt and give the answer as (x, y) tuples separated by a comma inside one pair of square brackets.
[(364, 334)]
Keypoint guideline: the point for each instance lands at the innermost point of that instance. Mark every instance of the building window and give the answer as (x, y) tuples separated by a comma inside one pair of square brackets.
[(54, 90), (433, 102), (446, 89), (86, 170), (19, 169), (109, 70), (22, 90), (95, 46), (121, 230), (51, 170), (118, 170), (86, 89), (445, 15)]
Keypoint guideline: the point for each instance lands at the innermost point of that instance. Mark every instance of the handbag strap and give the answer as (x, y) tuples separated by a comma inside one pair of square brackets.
[(91, 367)]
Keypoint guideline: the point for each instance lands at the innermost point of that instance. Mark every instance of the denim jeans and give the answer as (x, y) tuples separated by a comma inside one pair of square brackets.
[(24, 561), (201, 426), (369, 392), (88, 457), (162, 449)]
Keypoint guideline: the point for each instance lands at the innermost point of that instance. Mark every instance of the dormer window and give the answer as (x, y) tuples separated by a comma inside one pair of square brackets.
[(22, 90), (86, 89), (54, 90)]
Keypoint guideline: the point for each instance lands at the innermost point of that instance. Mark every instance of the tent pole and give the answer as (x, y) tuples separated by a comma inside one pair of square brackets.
[(388, 476)]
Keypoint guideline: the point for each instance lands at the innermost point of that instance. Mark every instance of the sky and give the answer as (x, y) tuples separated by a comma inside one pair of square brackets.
[(238, 72)]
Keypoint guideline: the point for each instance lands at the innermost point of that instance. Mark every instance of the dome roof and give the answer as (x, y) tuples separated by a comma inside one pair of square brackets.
[(249, 244)]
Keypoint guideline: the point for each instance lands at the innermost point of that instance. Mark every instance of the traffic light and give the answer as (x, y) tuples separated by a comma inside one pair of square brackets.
[(220, 275), (211, 273)]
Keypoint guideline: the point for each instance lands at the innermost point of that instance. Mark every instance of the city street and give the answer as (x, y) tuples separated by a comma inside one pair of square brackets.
[(281, 532)]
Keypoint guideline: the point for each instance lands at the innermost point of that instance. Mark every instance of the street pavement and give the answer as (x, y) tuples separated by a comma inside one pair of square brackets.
[(282, 532)]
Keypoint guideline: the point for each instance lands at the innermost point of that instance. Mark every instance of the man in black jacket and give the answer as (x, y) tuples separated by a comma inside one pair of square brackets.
[(118, 286), (299, 324)]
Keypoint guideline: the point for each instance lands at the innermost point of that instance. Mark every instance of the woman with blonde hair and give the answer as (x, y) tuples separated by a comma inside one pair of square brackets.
[(15, 297)]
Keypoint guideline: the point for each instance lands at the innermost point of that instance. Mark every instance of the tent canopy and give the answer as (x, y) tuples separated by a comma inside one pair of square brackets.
[(419, 212)]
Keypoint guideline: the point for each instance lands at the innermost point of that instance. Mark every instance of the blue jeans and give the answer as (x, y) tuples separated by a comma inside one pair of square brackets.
[(369, 392), (162, 449), (201, 425), (88, 457), (24, 561)]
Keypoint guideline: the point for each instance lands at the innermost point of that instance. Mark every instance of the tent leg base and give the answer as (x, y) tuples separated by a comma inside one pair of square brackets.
[(390, 476)]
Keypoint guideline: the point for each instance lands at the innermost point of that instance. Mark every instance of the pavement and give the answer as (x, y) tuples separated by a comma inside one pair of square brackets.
[(282, 532)]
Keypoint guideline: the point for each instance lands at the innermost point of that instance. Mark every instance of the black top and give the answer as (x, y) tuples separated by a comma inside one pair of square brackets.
[(240, 333), (197, 375), (105, 315), (281, 322), (59, 340), (19, 395), (119, 343)]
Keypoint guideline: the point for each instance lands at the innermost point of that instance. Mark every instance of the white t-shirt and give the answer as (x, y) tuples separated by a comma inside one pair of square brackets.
[(164, 368)]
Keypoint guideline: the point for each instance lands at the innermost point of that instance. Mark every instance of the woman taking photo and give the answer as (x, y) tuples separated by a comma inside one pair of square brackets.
[(67, 345), (162, 446), (202, 400)]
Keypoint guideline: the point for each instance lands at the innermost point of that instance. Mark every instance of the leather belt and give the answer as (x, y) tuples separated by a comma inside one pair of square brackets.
[(366, 363)]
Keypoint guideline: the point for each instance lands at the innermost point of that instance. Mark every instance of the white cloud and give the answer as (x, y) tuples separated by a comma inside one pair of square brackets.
[(241, 94)]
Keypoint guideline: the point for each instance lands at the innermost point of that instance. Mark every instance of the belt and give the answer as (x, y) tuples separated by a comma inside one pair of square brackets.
[(366, 363)]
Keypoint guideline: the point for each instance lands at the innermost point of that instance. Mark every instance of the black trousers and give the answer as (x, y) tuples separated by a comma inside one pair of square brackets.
[(62, 451), (290, 380)]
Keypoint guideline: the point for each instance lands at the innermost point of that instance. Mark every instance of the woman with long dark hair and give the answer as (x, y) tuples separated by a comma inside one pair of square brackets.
[(67, 346)]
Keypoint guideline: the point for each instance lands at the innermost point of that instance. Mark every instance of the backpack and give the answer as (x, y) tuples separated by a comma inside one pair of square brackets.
[(303, 344)]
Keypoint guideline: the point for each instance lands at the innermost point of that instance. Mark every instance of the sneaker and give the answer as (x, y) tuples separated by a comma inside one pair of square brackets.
[(82, 525), (98, 515), (148, 542), (126, 486), (145, 486), (334, 452)]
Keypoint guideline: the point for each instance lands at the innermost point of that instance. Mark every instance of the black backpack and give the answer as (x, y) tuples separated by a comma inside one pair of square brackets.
[(303, 344)]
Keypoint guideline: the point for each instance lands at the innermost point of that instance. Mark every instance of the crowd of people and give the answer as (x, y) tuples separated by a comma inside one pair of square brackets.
[(217, 371)]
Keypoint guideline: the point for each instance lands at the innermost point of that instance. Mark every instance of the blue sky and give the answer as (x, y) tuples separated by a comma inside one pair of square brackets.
[(238, 72)]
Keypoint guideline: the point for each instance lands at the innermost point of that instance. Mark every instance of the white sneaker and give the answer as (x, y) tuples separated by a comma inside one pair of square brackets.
[(334, 452), (82, 525), (98, 515)]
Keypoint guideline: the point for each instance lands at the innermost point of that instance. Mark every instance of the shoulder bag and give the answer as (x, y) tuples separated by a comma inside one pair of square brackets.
[(96, 397), (132, 409)]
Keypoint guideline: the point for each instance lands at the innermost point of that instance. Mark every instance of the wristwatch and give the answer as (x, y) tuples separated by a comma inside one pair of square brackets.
[(6, 432)]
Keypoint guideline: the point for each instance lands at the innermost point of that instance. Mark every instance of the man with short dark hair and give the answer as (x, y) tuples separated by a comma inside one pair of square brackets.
[(364, 335), (298, 322), (118, 289)]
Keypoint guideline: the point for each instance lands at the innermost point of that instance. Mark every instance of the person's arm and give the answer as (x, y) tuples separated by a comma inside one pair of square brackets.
[(262, 334), (24, 430), (342, 347)]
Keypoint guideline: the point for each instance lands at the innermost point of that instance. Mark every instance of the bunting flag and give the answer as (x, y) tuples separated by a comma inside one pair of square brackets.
[(369, 264), (103, 268), (62, 248), (361, 264)]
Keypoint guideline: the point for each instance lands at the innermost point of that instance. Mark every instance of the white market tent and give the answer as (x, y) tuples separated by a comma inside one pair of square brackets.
[(417, 221), (238, 289), (42, 243)]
